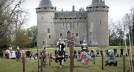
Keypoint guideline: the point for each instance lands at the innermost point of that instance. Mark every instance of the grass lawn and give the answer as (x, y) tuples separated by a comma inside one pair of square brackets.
[(31, 65)]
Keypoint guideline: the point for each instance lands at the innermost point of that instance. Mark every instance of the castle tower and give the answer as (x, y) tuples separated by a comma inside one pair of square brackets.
[(45, 23), (97, 15)]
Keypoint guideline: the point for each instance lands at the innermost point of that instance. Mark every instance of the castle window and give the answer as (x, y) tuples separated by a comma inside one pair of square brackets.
[(97, 7), (90, 7), (51, 7), (77, 34), (60, 34), (103, 6), (48, 30), (49, 36)]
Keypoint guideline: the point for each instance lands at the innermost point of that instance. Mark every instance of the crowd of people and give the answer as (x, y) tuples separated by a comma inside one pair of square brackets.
[(60, 55), (9, 53)]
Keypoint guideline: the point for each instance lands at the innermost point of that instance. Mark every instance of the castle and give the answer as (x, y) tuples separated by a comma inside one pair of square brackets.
[(90, 25)]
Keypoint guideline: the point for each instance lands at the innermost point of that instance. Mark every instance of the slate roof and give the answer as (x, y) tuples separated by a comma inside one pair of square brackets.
[(45, 3)]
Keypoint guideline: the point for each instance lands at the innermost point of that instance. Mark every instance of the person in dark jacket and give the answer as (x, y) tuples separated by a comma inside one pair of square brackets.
[(18, 54)]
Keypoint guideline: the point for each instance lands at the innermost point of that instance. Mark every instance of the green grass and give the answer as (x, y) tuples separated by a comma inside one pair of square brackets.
[(31, 65)]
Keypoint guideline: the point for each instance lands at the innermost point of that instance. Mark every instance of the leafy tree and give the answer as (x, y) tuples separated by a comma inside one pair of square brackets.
[(22, 39), (32, 34)]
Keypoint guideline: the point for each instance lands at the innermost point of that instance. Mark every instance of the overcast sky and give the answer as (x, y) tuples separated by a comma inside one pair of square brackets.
[(118, 8)]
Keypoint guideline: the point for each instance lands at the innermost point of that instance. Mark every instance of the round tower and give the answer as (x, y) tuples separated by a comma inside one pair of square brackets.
[(97, 15), (45, 23)]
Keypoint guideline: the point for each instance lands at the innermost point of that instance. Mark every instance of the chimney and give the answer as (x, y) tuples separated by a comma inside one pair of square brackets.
[(73, 8)]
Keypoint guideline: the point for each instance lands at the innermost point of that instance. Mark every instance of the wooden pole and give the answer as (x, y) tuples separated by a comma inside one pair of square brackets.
[(71, 44), (130, 44), (124, 65), (41, 66), (38, 59), (102, 67), (50, 55), (23, 62), (71, 55), (94, 58), (71, 59)]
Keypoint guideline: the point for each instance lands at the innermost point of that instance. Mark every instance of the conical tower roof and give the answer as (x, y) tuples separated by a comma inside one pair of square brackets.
[(98, 2), (45, 3)]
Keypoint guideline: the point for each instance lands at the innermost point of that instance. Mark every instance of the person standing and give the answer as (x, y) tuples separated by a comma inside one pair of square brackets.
[(18, 53), (7, 52), (84, 57)]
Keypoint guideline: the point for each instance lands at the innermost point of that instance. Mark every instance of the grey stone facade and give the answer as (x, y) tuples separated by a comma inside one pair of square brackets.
[(90, 25)]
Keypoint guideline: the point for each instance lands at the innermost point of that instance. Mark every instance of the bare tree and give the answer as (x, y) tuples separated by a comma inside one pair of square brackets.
[(128, 22), (12, 17)]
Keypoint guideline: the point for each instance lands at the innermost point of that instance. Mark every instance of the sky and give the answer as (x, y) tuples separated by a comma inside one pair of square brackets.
[(117, 8)]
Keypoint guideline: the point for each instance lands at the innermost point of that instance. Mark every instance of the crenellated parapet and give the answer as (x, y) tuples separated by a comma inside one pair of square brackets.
[(98, 9), (71, 15), (46, 9)]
